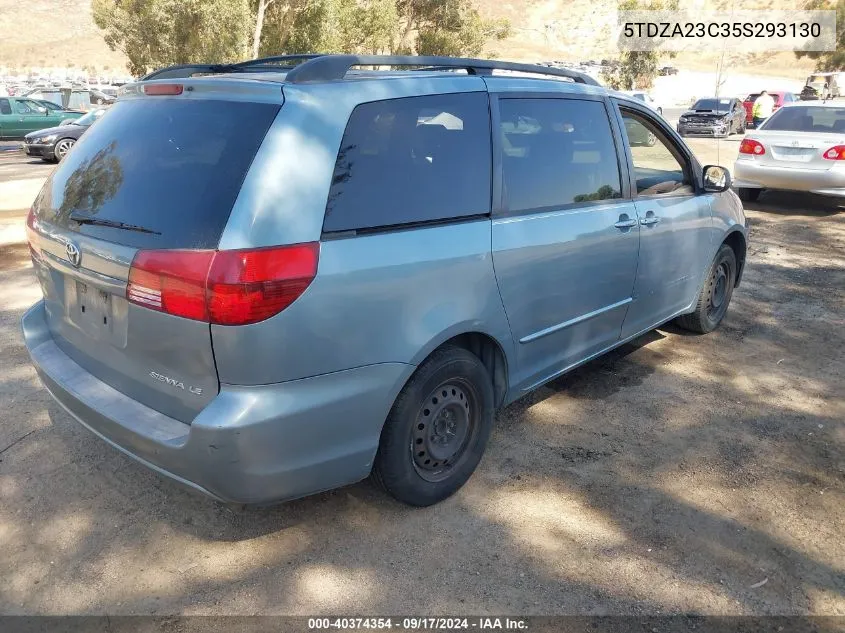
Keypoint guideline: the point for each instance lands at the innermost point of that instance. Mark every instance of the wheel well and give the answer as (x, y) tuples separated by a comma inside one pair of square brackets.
[(737, 242), (491, 355)]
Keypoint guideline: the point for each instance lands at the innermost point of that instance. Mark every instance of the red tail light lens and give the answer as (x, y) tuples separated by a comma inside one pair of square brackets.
[(171, 282), (837, 152), (750, 146), (250, 286), (222, 287)]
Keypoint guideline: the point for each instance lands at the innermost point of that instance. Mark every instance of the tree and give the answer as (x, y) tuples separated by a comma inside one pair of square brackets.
[(155, 33), (426, 27), (637, 69), (829, 60), (445, 27)]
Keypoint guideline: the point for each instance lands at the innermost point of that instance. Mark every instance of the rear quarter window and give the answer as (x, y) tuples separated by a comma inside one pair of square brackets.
[(412, 160), (174, 166)]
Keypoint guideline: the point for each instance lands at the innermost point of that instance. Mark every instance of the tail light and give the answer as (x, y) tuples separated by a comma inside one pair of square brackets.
[(750, 146), (837, 152), (222, 287)]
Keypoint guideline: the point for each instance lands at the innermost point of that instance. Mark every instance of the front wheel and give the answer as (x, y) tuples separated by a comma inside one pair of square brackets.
[(437, 429), (715, 294), (62, 148)]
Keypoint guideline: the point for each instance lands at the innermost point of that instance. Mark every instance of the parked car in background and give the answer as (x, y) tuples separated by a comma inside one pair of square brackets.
[(713, 116), (59, 110), (70, 98), (53, 144), (801, 147), (19, 116), (646, 98), (781, 98), (100, 97), (668, 70), (262, 338), (822, 86)]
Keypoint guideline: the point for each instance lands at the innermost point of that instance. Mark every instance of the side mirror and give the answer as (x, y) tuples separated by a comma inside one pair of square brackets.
[(716, 179)]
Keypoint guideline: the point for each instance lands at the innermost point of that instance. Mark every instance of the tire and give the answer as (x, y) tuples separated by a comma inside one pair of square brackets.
[(747, 194), (431, 443), (63, 146), (650, 140), (715, 294)]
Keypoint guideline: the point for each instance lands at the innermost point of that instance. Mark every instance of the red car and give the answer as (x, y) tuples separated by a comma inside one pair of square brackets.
[(779, 97)]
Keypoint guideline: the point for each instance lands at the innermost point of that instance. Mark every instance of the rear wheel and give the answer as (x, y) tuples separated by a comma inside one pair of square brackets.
[(715, 294), (437, 429), (747, 194)]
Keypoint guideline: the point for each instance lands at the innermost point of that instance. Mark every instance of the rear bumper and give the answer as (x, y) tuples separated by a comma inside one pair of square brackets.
[(251, 444), (751, 175)]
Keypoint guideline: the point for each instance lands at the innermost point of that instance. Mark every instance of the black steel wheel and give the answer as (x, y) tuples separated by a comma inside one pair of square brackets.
[(715, 294), (445, 426), (437, 429)]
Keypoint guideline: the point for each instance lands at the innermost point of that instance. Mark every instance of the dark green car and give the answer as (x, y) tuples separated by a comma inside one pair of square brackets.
[(19, 116)]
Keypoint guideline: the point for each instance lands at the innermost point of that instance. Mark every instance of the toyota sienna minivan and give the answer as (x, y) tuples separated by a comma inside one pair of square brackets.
[(274, 278)]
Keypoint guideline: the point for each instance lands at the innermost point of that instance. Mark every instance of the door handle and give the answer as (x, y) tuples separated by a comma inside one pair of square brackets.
[(649, 220), (625, 223)]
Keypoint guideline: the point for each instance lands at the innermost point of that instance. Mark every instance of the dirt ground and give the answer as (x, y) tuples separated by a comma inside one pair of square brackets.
[(682, 473)]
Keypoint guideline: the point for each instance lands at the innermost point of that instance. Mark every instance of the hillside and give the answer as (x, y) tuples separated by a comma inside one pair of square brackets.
[(62, 33)]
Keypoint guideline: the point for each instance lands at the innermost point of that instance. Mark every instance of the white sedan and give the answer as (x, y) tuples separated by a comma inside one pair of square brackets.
[(801, 147), (645, 98)]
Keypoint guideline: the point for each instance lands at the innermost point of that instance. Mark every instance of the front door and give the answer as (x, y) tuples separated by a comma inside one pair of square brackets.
[(29, 117), (674, 222), (566, 237)]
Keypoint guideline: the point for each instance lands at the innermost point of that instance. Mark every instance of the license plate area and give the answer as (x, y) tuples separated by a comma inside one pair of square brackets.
[(796, 154), (90, 309)]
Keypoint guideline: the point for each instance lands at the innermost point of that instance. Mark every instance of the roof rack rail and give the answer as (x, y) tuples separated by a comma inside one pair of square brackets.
[(182, 71), (313, 67), (332, 67)]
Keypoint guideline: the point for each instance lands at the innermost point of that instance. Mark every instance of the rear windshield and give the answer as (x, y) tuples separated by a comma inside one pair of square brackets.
[(807, 119), (712, 104), (173, 166)]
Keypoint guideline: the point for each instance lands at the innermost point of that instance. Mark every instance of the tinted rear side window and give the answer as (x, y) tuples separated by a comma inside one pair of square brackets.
[(5, 108), (556, 152), (174, 166), (412, 160)]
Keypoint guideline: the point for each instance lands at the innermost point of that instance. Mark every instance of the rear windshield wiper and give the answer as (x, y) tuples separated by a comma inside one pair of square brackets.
[(114, 224)]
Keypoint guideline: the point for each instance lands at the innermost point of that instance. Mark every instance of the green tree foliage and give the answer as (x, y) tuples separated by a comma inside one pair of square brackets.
[(829, 60), (637, 69), (445, 27), (156, 33)]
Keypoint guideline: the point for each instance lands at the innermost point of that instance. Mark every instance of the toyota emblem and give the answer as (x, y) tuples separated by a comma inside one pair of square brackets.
[(73, 254)]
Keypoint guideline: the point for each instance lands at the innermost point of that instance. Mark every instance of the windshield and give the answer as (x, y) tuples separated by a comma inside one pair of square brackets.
[(89, 118), (817, 119), (817, 79), (722, 105)]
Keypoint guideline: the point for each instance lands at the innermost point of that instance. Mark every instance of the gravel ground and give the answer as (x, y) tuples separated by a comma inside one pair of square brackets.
[(681, 473)]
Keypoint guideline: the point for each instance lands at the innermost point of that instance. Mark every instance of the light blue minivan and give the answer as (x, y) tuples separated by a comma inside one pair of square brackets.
[(269, 279)]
